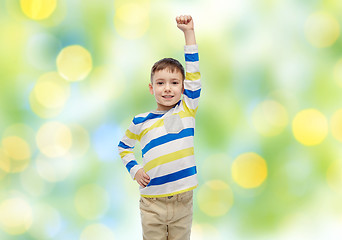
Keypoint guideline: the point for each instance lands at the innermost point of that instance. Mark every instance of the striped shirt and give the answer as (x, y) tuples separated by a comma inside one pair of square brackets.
[(167, 139)]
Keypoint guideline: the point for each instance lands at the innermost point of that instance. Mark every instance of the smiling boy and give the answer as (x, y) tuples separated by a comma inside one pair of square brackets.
[(168, 172)]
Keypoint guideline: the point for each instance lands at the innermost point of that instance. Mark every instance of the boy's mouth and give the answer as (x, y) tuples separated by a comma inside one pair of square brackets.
[(167, 97)]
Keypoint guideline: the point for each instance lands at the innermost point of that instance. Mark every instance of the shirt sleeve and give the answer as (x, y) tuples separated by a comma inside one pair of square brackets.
[(125, 148), (192, 82)]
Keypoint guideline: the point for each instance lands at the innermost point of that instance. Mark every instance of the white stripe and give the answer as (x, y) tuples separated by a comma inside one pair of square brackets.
[(154, 133), (171, 187), (192, 67), (192, 85), (167, 148), (171, 167)]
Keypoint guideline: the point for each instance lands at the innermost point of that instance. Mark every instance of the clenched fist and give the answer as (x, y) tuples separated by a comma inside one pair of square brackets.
[(185, 23)]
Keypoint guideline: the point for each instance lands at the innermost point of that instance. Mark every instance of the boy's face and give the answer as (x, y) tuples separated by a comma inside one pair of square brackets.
[(167, 88)]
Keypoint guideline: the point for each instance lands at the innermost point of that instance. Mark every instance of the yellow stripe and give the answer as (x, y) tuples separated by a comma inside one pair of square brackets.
[(169, 194), (192, 76), (131, 135), (168, 158), (189, 111), (124, 153), (158, 123)]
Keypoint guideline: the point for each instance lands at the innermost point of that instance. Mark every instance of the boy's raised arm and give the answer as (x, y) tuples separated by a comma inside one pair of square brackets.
[(186, 24)]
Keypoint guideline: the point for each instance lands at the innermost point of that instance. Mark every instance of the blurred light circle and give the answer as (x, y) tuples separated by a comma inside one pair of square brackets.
[(336, 125), (215, 198), (18, 154), (74, 63), (42, 111), (334, 176), (131, 20), (270, 118), (15, 216), (16, 148), (54, 139), (54, 169), (38, 9), (310, 127), (249, 170), (80, 141), (322, 29), (96, 232), (91, 201), (51, 90), (5, 165), (46, 222), (338, 73)]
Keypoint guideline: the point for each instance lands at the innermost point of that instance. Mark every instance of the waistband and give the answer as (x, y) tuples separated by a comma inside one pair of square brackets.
[(175, 197)]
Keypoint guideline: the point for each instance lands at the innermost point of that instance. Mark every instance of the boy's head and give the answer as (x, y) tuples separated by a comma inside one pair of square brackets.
[(170, 64), (167, 76)]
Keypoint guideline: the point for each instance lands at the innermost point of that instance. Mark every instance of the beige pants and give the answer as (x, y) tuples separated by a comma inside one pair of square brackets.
[(167, 218)]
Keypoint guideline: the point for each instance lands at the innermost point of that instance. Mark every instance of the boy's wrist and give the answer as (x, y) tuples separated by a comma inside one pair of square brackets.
[(189, 36)]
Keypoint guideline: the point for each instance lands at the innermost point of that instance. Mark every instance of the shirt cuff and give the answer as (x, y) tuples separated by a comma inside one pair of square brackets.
[(134, 170), (191, 48)]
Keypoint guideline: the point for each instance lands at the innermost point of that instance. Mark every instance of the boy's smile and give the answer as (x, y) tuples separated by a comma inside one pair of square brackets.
[(167, 88)]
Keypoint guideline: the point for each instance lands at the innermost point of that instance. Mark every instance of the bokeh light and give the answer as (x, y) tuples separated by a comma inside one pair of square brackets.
[(74, 63), (249, 170), (91, 201), (15, 216), (18, 154), (322, 29), (270, 118), (336, 125), (51, 91), (54, 139), (310, 127), (215, 198), (80, 141), (131, 20), (97, 231), (5, 165), (38, 9)]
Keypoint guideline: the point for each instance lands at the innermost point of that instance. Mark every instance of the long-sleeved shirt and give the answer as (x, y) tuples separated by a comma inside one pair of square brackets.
[(167, 139)]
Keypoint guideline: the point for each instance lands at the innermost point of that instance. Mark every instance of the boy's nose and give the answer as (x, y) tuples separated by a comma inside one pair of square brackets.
[(167, 87)]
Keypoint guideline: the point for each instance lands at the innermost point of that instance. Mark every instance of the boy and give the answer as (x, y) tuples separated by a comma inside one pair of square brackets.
[(168, 174)]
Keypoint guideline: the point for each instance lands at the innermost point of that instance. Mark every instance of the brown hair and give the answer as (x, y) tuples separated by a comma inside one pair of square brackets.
[(167, 63)]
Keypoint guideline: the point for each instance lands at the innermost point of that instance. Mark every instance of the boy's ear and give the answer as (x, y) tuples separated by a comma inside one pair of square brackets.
[(150, 87)]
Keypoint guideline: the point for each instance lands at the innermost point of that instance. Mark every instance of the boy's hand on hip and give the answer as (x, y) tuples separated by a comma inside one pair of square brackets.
[(142, 178), (185, 23)]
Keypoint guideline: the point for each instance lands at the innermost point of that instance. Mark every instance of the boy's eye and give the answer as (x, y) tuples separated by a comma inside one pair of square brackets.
[(175, 83), (159, 83)]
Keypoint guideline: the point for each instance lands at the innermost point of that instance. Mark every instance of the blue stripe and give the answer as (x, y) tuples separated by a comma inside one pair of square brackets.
[(130, 165), (191, 57), (173, 176), (192, 94), (138, 120), (167, 138), (121, 144)]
